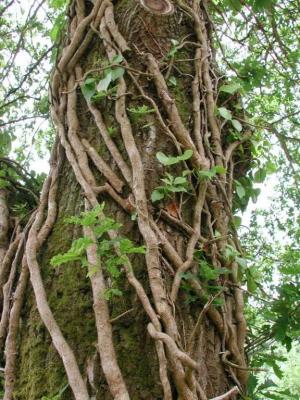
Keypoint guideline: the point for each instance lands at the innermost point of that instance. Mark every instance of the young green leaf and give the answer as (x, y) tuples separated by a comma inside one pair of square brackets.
[(172, 81), (237, 125), (171, 160), (240, 190), (226, 114), (105, 82), (230, 88), (112, 292), (117, 59), (117, 73), (157, 195), (88, 88)]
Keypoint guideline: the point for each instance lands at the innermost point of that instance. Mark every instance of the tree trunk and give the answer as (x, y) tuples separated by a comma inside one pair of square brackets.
[(178, 330)]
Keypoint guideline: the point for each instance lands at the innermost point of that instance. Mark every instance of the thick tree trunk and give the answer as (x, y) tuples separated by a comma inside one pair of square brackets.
[(176, 332)]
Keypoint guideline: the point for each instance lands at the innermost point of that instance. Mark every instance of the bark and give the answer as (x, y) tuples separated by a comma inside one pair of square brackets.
[(165, 337)]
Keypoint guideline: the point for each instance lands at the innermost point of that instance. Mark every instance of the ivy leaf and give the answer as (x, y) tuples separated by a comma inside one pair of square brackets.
[(218, 169), (237, 221), (112, 292), (88, 88), (157, 195), (118, 59), (251, 284), (226, 114), (270, 167), (237, 125), (172, 80), (209, 174), (180, 180), (117, 73), (260, 175), (230, 88), (254, 194), (171, 160), (105, 82), (240, 190)]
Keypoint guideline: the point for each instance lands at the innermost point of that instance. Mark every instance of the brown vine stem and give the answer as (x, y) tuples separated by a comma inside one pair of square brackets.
[(18, 298), (192, 241), (114, 151), (4, 223), (228, 395), (152, 254), (74, 376), (103, 167), (180, 132), (11, 340), (6, 263), (106, 348), (7, 289)]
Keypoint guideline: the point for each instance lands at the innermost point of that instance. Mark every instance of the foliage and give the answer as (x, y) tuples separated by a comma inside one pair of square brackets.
[(172, 184), (112, 253), (96, 88), (171, 160), (177, 184)]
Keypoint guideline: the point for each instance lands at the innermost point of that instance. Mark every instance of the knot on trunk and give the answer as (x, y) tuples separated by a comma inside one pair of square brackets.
[(158, 7)]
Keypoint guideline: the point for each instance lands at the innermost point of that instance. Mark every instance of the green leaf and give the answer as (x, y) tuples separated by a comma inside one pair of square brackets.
[(251, 284), (128, 247), (276, 369), (235, 5), (112, 292), (237, 221), (226, 114), (270, 167), (171, 160), (240, 190), (117, 73), (261, 4), (209, 174), (118, 59), (237, 125), (230, 87), (78, 247), (105, 82), (180, 180), (157, 195), (4, 183), (254, 194), (260, 175), (88, 88), (88, 218), (172, 80), (218, 169)]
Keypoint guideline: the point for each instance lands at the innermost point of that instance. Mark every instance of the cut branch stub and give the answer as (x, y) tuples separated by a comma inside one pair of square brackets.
[(158, 7)]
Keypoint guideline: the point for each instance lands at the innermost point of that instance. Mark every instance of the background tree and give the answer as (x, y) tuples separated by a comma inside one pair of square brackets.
[(136, 98)]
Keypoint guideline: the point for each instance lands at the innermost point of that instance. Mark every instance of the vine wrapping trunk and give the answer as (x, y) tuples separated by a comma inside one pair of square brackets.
[(134, 99)]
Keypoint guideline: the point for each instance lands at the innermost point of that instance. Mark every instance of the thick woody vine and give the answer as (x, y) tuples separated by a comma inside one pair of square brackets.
[(207, 182)]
